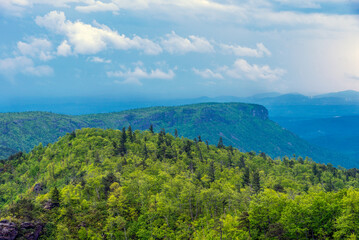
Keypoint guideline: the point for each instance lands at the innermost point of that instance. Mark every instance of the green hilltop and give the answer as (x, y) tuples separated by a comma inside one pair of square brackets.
[(244, 126), (111, 184)]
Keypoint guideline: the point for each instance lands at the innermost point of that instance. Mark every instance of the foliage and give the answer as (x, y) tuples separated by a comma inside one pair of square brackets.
[(163, 187)]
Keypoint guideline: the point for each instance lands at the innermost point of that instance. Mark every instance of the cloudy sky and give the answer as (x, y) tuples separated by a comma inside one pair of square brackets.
[(177, 48)]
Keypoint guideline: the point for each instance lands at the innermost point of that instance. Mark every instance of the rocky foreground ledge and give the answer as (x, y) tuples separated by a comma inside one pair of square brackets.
[(25, 230)]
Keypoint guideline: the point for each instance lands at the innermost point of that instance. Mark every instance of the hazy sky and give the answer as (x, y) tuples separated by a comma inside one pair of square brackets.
[(177, 48)]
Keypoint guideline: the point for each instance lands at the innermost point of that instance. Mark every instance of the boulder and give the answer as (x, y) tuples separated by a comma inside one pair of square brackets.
[(7, 230), (38, 188)]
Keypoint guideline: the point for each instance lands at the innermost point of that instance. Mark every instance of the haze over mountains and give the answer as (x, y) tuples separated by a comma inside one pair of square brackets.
[(316, 119), (104, 104)]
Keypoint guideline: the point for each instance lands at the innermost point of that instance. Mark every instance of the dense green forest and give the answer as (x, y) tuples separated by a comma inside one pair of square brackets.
[(112, 184), (244, 126)]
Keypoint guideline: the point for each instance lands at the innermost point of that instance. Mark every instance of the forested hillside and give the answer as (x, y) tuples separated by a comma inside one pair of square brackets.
[(245, 126), (111, 184)]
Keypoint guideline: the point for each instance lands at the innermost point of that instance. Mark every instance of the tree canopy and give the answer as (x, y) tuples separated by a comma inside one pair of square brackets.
[(166, 187)]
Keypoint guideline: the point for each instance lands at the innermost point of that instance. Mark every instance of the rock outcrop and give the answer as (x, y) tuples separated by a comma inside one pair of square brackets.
[(8, 230), (26, 230), (31, 231)]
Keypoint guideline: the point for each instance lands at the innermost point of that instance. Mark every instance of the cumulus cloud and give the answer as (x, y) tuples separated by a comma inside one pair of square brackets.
[(64, 49), (98, 60), (241, 69), (176, 44), (207, 73), (36, 48), (88, 39), (134, 77), (237, 50), (24, 65)]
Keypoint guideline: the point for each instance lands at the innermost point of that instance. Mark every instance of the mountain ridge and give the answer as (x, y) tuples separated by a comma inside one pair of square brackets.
[(245, 126)]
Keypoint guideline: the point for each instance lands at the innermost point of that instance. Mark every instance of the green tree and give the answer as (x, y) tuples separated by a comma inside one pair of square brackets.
[(122, 148), (212, 172), (55, 197), (220, 143), (246, 177), (130, 133), (256, 185)]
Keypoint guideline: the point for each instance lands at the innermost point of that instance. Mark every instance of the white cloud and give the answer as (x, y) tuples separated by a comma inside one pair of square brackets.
[(252, 13), (298, 20), (98, 60), (260, 51), (13, 7), (12, 66), (115, 5), (98, 6), (241, 69), (176, 44), (36, 48), (64, 49), (308, 3), (134, 77), (87, 39), (17, 7), (207, 73)]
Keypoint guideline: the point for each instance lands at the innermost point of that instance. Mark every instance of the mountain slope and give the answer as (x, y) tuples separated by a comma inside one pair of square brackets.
[(245, 126), (108, 184)]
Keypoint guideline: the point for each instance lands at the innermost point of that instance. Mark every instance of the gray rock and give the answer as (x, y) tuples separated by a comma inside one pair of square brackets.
[(7, 230)]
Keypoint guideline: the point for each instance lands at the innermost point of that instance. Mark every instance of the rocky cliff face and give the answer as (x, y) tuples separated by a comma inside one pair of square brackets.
[(26, 230), (260, 112)]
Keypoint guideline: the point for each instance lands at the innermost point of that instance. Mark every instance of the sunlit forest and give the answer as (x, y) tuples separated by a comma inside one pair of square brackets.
[(112, 184)]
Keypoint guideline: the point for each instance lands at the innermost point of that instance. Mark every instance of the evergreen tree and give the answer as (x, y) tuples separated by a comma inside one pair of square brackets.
[(230, 161), (107, 181), (220, 143), (241, 163), (187, 148), (151, 128), (230, 149), (212, 171), (72, 135), (130, 133), (122, 148), (145, 156), (161, 146), (55, 197), (246, 177), (176, 133), (145, 152), (199, 139), (256, 185)]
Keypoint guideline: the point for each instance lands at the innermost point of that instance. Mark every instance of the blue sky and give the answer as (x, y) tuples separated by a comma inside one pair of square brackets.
[(177, 49)]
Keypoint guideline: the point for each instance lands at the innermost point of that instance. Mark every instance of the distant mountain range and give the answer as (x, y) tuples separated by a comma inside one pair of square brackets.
[(349, 97), (245, 126), (88, 105)]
